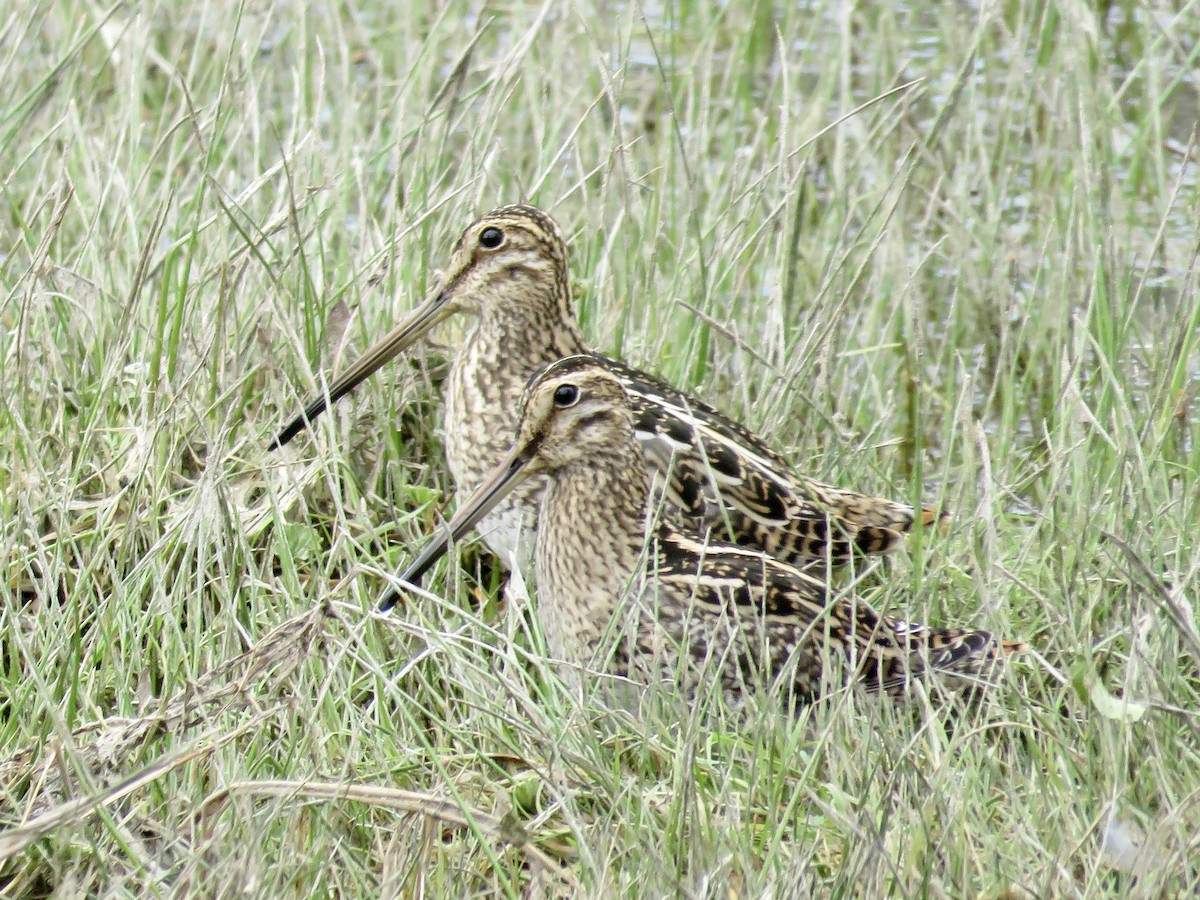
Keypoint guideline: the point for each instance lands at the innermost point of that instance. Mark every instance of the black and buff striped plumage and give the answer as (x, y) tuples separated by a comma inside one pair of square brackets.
[(679, 602), (509, 272)]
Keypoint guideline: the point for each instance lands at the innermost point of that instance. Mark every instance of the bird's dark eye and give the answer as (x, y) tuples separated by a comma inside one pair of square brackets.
[(491, 238), (566, 395)]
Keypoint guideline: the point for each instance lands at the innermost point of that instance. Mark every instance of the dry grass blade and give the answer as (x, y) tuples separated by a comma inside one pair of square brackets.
[(450, 812), (106, 745), (1140, 573), (17, 840)]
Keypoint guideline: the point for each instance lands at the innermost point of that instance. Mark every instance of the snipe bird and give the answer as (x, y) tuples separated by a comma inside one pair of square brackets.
[(602, 556), (508, 271)]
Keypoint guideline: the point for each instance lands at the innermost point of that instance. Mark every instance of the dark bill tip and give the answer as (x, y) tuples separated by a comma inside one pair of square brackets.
[(390, 599), (494, 488), (434, 550), (298, 424), (420, 321)]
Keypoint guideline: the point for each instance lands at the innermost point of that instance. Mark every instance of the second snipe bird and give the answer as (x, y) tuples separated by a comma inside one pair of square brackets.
[(680, 601), (509, 272)]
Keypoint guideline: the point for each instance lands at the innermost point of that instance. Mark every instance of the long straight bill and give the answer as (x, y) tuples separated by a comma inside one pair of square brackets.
[(418, 323), (498, 485)]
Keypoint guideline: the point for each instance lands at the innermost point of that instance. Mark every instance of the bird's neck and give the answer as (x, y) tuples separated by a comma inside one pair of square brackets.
[(590, 535), (538, 327), (499, 354)]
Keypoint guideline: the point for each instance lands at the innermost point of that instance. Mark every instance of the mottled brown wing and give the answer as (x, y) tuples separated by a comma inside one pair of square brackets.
[(799, 617), (720, 474)]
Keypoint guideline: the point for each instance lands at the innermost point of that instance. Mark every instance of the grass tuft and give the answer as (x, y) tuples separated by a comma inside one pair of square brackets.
[(941, 253)]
